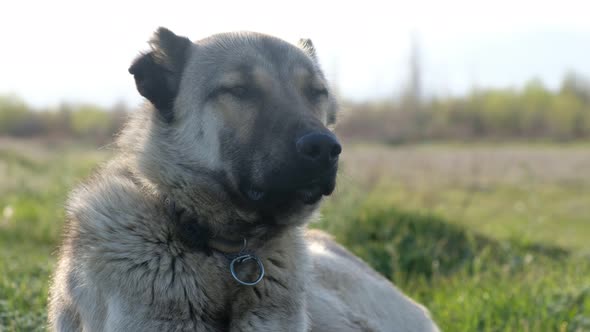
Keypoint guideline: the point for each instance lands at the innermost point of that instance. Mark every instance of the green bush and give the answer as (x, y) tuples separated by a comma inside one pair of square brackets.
[(411, 244)]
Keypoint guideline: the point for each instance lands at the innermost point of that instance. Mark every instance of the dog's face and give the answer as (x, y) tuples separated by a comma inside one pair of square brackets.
[(247, 111)]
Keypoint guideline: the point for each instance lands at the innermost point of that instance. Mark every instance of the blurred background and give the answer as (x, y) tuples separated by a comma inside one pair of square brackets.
[(466, 127)]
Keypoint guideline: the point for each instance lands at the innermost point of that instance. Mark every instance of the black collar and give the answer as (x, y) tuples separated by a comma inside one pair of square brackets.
[(194, 234)]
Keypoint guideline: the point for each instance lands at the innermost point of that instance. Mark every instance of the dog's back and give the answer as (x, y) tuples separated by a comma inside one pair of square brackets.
[(347, 295)]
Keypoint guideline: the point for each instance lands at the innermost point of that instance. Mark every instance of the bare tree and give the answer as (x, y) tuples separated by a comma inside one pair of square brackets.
[(412, 96)]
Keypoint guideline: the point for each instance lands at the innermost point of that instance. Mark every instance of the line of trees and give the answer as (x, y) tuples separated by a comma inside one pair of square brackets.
[(532, 112), (86, 122)]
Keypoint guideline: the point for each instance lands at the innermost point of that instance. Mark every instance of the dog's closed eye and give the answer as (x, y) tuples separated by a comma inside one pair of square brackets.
[(241, 92)]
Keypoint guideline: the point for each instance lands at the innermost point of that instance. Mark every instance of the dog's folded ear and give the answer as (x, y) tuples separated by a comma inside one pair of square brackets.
[(307, 46), (157, 73)]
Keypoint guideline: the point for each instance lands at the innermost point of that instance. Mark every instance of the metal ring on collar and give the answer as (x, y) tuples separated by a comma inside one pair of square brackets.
[(241, 259)]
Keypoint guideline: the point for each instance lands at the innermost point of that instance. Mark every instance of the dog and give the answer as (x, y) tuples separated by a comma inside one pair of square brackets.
[(199, 221)]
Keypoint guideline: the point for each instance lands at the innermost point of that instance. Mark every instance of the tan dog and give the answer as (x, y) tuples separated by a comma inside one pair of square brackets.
[(198, 223)]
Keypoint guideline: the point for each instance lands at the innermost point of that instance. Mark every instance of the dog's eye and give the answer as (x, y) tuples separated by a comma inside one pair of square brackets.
[(238, 91), (314, 94)]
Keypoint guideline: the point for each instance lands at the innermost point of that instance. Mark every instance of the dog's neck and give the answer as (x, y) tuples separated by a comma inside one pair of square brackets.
[(196, 233), (204, 222)]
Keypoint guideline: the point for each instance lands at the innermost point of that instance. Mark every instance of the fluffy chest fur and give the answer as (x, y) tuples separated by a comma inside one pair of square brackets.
[(128, 266)]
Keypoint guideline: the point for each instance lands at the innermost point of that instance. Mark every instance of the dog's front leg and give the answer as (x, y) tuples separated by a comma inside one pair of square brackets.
[(272, 319), (277, 303)]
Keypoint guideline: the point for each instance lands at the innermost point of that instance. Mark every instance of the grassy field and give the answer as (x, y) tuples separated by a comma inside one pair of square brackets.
[(489, 238)]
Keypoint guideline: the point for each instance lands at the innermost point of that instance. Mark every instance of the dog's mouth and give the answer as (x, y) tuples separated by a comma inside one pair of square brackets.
[(307, 192), (313, 194), (308, 195)]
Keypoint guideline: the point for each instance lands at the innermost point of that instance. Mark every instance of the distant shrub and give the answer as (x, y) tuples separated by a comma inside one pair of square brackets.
[(410, 244)]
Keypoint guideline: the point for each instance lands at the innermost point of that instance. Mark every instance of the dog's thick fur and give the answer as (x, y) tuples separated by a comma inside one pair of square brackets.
[(213, 157)]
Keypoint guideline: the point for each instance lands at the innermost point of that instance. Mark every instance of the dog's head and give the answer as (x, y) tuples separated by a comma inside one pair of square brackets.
[(241, 116)]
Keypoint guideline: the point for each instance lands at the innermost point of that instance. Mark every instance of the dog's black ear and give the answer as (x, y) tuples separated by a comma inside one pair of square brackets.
[(157, 73), (307, 46)]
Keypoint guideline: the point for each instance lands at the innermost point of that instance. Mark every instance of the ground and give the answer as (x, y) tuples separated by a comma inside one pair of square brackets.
[(488, 237)]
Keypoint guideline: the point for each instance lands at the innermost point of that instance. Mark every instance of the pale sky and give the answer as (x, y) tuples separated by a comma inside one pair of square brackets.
[(79, 51)]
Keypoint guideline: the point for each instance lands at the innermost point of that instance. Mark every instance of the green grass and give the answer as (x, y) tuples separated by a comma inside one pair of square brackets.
[(24, 280), (34, 182), (488, 238)]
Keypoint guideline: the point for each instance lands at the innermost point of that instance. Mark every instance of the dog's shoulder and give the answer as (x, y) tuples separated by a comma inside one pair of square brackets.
[(113, 219), (111, 199)]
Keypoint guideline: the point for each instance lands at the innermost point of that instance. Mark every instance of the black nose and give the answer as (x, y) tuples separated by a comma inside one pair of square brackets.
[(319, 148)]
